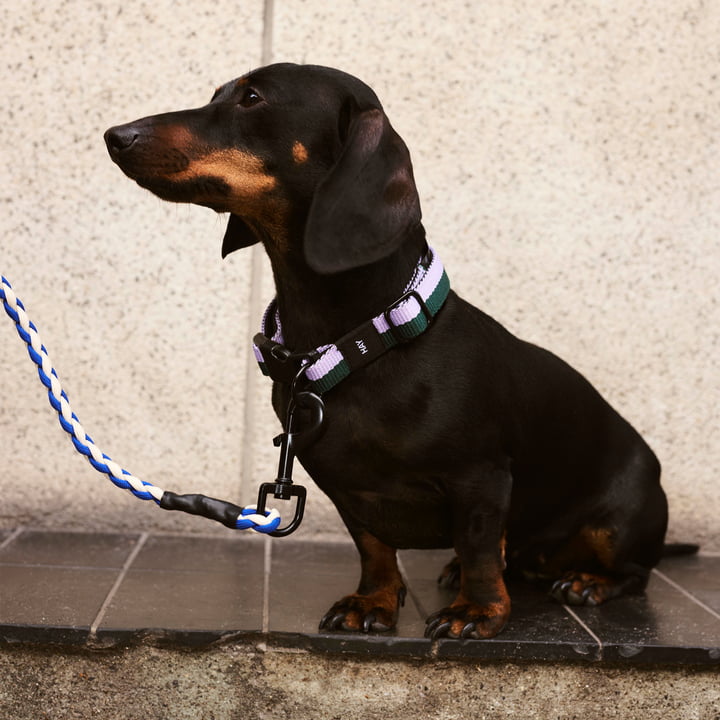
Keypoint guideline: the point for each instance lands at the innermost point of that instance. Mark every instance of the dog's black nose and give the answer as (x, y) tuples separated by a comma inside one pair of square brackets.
[(120, 138)]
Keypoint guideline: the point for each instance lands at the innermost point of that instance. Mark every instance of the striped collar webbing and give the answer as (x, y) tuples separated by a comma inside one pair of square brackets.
[(409, 316)]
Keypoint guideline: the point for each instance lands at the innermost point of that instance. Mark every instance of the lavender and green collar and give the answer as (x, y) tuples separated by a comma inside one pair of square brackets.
[(409, 316)]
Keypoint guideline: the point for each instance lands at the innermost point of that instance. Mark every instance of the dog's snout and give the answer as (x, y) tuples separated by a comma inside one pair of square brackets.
[(120, 138)]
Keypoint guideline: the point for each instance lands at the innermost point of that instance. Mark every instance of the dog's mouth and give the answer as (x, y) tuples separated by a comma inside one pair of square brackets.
[(162, 169), (170, 162), (210, 192)]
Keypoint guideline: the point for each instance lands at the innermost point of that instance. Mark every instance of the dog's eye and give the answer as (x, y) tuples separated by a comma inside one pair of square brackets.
[(250, 97)]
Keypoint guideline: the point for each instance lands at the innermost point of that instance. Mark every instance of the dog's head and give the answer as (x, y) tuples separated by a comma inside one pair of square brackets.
[(298, 154)]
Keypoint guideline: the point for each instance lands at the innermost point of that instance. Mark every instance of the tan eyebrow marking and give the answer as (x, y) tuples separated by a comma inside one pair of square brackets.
[(299, 152)]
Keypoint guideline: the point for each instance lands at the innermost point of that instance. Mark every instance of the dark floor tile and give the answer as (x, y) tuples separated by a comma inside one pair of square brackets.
[(189, 590), (177, 601), (306, 579), (178, 584), (661, 626), (52, 596), (188, 553), (699, 575), (539, 628), (421, 569), (69, 549)]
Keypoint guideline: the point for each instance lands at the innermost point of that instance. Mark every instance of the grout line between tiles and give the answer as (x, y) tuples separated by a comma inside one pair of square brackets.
[(11, 537), (55, 566), (586, 628), (118, 581), (410, 592), (686, 593)]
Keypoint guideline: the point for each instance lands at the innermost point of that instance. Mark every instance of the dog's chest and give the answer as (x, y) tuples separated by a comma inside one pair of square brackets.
[(397, 502)]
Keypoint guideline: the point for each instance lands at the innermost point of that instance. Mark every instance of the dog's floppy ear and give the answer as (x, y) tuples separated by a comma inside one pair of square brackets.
[(238, 235), (368, 201)]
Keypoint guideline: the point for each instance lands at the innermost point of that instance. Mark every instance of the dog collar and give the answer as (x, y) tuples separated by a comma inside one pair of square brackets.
[(406, 318)]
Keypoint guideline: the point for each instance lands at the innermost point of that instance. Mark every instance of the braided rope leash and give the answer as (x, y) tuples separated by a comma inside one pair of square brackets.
[(230, 515)]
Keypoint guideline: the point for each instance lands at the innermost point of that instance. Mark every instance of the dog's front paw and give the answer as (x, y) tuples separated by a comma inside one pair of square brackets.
[(377, 612), (468, 620)]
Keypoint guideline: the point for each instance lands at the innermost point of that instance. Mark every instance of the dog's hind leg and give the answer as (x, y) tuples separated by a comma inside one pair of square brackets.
[(449, 578), (613, 554)]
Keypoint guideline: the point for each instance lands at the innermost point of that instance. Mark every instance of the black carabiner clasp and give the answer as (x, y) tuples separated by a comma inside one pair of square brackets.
[(283, 491), (283, 488)]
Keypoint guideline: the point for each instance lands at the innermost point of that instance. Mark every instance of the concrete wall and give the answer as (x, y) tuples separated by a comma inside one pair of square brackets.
[(567, 158)]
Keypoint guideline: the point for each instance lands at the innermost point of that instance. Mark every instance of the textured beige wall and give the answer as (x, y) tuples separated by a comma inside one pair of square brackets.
[(567, 157)]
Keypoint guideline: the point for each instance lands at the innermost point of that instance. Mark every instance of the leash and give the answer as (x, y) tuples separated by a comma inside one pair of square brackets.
[(309, 374), (230, 515)]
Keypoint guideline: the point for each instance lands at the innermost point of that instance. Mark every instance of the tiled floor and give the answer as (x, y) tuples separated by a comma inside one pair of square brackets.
[(108, 588)]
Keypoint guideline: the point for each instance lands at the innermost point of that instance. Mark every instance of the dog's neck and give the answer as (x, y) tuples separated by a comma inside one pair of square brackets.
[(318, 309)]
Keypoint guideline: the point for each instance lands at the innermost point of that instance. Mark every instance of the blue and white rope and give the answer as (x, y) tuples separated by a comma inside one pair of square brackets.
[(248, 519)]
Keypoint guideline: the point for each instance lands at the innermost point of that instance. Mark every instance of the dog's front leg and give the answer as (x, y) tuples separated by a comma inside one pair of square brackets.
[(381, 592), (479, 506)]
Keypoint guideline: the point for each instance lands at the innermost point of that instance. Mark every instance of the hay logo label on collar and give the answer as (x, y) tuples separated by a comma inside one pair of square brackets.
[(360, 346)]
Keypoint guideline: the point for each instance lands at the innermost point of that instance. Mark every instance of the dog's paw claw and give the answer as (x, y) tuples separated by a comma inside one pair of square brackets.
[(581, 589), (437, 629), (559, 590), (363, 613), (469, 631), (332, 620), (467, 621), (371, 624)]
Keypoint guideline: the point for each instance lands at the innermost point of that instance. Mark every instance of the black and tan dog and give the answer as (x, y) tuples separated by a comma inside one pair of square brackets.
[(462, 437)]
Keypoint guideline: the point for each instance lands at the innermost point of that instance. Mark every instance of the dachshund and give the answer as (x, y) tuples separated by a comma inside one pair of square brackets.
[(445, 430)]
